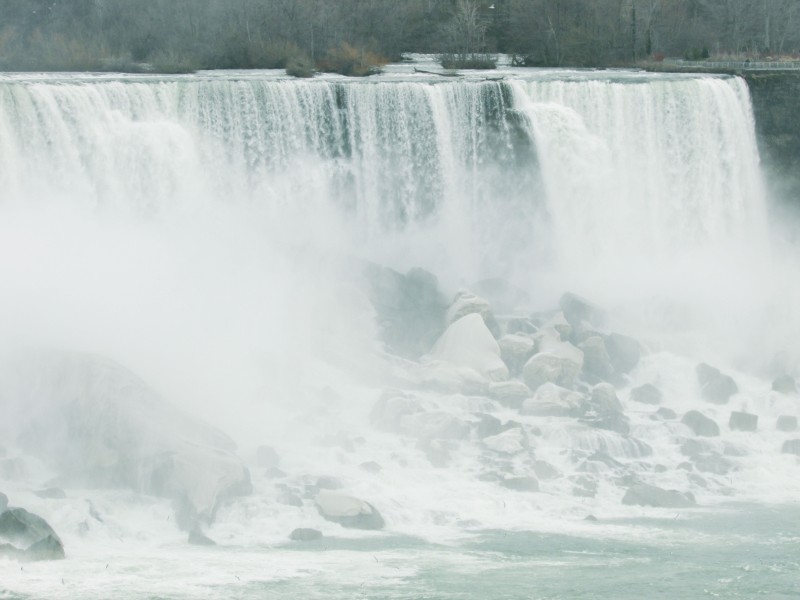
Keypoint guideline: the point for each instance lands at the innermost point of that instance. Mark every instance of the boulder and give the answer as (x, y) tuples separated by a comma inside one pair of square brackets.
[(577, 310), (544, 470), (623, 351), (98, 424), (515, 350), (596, 360), (30, 535), (643, 494), (509, 393), (647, 394), (791, 447), (348, 511), (786, 423), (785, 384), (466, 303), (511, 441), (521, 325), (3, 502), (551, 400), (560, 365), (742, 421), (521, 484), (305, 534), (410, 309), (603, 410), (700, 424), (712, 462), (198, 538), (667, 414), (468, 343), (715, 386), (487, 425)]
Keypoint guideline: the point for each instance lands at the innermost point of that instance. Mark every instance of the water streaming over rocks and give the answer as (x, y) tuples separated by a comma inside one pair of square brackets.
[(362, 284)]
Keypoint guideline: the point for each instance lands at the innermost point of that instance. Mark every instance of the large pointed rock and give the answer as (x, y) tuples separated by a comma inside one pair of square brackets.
[(99, 424), (469, 343), (28, 536)]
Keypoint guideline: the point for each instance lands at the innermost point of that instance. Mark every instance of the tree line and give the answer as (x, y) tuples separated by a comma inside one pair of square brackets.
[(357, 35)]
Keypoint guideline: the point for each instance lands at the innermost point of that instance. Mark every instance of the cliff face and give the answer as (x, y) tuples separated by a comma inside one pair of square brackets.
[(776, 104)]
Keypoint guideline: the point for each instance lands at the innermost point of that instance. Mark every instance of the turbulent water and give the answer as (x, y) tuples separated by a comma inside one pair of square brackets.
[(208, 232)]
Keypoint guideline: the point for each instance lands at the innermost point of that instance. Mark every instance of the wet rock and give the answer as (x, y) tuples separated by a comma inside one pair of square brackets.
[(466, 303), (551, 400), (786, 423), (694, 447), (666, 414), (734, 450), (371, 466), (348, 511), (791, 447), (487, 425), (289, 498), (603, 410), (521, 484), (742, 421), (438, 452), (267, 457), (623, 351), (512, 441), (30, 535), (647, 394), (98, 424), (521, 325), (52, 493), (585, 487), (305, 534), (48, 548), (713, 462), (785, 384), (468, 343), (509, 393), (516, 350), (596, 360), (198, 538), (560, 365), (700, 424), (3, 502), (715, 386), (590, 518), (577, 310), (410, 309), (643, 494), (544, 470)]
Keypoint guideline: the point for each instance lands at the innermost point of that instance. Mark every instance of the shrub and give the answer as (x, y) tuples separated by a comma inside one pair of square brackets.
[(468, 61), (300, 66), (348, 60)]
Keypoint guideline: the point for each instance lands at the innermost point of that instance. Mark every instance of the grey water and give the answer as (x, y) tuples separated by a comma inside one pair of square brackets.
[(735, 551)]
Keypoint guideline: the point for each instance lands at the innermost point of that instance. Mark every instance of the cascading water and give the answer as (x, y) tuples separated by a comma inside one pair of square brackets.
[(210, 232)]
